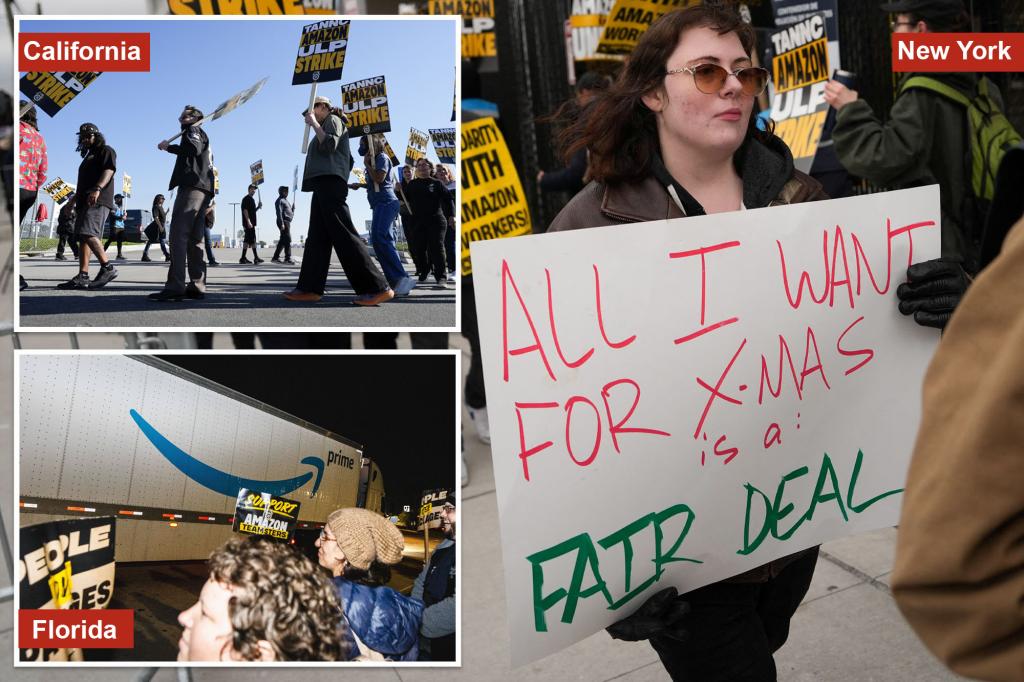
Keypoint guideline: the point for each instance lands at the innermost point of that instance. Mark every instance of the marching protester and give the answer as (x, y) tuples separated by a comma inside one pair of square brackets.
[(419, 256), (925, 141), (431, 212), (962, 596), (448, 180), (94, 201), (209, 218), (284, 226), (193, 176), (116, 226), (249, 209), (33, 164), (263, 602), (695, 150), (328, 164), (384, 207), (435, 586), (358, 547), (156, 231), (66, 229)]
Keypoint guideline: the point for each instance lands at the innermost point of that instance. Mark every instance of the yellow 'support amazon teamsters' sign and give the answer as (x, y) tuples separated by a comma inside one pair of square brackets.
[(477, 24), (493, 203), (629, 19), (251, 6)]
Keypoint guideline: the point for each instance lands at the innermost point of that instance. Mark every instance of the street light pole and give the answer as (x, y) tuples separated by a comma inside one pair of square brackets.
[(233, 204)]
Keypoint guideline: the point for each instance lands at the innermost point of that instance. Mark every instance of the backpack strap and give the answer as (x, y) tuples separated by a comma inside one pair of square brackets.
[(936, 86)]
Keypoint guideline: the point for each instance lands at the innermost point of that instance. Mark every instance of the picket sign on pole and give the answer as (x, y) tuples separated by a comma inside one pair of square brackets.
[(305, 133)]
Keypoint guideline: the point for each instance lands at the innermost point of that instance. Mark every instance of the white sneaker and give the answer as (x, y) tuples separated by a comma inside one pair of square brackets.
[(404, 286), (465, 471), (451, 277), (478, 415)]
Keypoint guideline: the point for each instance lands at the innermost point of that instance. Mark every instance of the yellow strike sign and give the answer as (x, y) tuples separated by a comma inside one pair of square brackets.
[(477, 25), (417, 147), (251, 6), (58, 190), (52, 91), (321, 55), (629, 19), (802, 133), (493, 203), (366, 104), (60, 586), (800, 67)]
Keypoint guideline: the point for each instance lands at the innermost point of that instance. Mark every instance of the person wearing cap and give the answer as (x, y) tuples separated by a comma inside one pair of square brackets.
[(358, 547), (94, 201), (328, 165), (924, 142), (116, 226), (435, 585), (249, 208), (193, 176)]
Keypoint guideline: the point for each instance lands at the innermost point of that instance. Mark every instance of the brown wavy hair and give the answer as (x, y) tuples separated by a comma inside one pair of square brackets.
[(280, 597), (617, 128)]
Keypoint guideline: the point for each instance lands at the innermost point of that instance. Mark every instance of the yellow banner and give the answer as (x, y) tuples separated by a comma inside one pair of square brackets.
[(493, 203), (251, 6), (629, 19), (478, 38)]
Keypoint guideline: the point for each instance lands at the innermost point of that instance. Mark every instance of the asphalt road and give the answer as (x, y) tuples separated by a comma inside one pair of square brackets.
[(238, 296)]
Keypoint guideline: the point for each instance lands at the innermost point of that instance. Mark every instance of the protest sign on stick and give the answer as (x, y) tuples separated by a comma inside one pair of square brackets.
[(365, 102), (227, 106), (493, 202), (763, 398), (417, 147), (58, 190), (444, 144), (51, 92)]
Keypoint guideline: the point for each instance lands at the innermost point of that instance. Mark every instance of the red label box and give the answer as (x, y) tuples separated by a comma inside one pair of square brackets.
[(76, 628), (54, 52), (948, 52)]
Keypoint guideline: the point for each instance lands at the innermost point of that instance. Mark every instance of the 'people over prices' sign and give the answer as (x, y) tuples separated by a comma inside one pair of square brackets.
[(684, 400)]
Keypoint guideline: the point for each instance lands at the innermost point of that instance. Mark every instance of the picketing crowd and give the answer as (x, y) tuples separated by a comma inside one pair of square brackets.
[(424, 198), (265, 601)]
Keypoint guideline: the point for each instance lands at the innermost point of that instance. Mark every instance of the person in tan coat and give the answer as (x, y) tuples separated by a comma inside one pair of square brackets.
[(959, 573)]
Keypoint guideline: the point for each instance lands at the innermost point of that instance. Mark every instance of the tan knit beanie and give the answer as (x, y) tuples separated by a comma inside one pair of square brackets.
[(365, 536)]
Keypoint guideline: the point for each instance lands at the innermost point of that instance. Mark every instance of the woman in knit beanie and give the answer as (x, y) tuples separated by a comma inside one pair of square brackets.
[(358, 547)]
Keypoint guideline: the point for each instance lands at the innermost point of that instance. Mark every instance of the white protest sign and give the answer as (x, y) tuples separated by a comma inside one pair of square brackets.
[(677, 402)]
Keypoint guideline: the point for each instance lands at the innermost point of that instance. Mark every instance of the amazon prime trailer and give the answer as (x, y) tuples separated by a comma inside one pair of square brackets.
[(166, 451)]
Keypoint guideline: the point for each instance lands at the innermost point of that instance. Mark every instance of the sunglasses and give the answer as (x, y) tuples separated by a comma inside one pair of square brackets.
[(710, 78)]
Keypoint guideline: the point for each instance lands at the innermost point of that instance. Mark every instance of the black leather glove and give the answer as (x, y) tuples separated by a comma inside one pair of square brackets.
[(661, 615), (932, 291)]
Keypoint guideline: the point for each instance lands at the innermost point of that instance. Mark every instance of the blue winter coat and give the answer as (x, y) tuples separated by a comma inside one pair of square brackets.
[(384, 620)]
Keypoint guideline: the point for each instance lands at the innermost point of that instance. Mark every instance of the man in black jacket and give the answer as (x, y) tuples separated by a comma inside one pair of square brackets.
[(193, 176)]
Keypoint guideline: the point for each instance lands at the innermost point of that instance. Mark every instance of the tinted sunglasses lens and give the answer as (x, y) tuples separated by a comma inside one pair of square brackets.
[(709, 78), (754, 80)]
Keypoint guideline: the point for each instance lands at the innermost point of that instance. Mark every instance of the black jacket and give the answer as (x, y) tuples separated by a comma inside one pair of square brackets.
[(194, 165)]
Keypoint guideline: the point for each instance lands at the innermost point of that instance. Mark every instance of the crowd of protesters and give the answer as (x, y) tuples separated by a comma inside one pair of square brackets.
[(265, 601)]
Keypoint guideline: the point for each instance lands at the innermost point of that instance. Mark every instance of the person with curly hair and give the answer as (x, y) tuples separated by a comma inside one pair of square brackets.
[(263, 602)]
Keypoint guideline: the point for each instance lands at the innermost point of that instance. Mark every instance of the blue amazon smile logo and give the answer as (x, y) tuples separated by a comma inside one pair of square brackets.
[(221, 481)]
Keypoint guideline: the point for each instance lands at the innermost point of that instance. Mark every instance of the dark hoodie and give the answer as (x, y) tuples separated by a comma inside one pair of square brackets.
[(194, 165), (924, 142)]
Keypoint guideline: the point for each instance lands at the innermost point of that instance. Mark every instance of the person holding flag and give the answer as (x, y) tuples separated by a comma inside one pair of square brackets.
[(193, 176)]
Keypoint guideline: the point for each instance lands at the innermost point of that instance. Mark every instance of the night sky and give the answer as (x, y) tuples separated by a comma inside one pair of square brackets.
[(401, 408)]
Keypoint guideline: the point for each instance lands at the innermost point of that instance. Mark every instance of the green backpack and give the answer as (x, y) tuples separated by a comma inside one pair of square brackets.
[(991, 134)]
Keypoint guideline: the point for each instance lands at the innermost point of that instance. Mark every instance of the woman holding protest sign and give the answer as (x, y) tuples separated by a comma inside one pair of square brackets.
[(359, 547), (675, 136), (156, 231), (328, 164)]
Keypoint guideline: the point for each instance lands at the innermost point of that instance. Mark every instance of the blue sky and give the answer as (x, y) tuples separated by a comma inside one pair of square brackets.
[(203, 62)]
